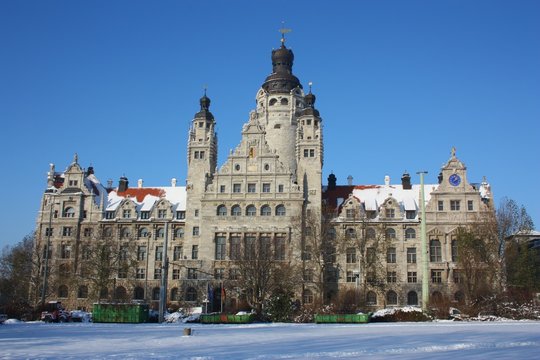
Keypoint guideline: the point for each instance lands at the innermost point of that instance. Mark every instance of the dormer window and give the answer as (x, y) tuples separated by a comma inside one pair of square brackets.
[(109, 214), (145, 215), (390, 213), (162, 214), (73, 182), (180, 215)]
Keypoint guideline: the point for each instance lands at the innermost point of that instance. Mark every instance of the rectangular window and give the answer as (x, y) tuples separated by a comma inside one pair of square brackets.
[(306, 153), (454, 205), (123, 253), (126, 214), (457, 276), (122, 272), (196, 155), (192, 273), (222, 189), (351, 255), (371, 257), (141, 253), (109, 214), (202, 154), (234, 274), (67, 230), (280, 248), (435, 254), (141, 273), (159, 253), (176, 274), (265, 187), (350, 213), (251, 188), (351, 277), (390, 213), (391, 255), (145, 215), (195, 231), (280, 188), (410, 214), (177, 253), (391, 277), (411, 277), (87, 232), (219, 273), (308, 275), (311, 153), (440, 205), (235, 248), (49, 231), (65, 251), (249, 251), (180, 215), (237, 188), (220, 247), (157, 273), (436, 276), (411, 255), (195, 252), (196, 213), (162, 214), (470, 206)]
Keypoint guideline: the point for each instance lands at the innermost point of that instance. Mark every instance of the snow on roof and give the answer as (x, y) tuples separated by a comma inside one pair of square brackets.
[(94, 186), (374, 195), (145, 198)]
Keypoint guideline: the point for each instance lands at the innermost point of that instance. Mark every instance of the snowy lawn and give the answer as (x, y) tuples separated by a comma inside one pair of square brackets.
[(438, 340)]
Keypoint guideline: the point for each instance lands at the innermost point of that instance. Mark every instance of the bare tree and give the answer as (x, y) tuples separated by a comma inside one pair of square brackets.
[(260, 273), (511, 219), (104, 261)]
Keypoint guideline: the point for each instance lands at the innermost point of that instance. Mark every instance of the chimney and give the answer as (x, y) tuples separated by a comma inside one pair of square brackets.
[(387, 180), (109, 184), (349, 180), (140, 183), (406, 181), (332, 181), (173, 182), (123, 184), (440, 177)]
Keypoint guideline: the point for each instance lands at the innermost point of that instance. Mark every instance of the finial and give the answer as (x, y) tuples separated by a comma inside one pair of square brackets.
[(283, 31), (453, 151), (76, 158), (205, 87), (310, 84)]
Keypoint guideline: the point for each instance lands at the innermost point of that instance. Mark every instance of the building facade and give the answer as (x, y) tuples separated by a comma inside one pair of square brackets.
[(269, 191)]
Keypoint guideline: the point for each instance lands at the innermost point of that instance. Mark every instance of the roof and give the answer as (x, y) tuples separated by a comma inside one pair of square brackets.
[(146, 197)]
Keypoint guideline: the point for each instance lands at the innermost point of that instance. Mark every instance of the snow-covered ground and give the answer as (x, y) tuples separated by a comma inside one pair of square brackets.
[(437, 340)]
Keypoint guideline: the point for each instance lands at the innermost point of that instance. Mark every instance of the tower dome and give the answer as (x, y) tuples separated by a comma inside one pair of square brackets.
[(281, 80), (205, 106)]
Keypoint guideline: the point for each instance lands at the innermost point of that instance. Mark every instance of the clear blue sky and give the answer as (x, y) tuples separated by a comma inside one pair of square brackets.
[(398, 83)]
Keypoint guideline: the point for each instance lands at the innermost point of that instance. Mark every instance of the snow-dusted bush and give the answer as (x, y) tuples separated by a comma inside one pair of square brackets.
[(407, 313)]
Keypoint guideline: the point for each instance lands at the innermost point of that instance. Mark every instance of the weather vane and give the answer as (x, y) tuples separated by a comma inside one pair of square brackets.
[(205, 87), (283, 31)]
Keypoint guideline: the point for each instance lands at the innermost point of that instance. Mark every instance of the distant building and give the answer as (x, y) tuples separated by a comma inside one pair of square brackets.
[(267, 191)]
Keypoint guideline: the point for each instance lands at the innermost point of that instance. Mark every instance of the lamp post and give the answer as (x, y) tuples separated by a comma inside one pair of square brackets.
[(425, 267)]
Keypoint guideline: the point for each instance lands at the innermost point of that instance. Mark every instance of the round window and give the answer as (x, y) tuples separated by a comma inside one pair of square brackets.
[(237, 167)]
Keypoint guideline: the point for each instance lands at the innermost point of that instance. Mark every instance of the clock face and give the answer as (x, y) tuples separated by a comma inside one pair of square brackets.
[(454, 180)]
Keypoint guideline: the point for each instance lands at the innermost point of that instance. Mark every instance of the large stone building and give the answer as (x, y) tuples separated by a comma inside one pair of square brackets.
[(268, 191)]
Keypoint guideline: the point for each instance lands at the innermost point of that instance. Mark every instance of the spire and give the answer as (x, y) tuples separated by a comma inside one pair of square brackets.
[(310, 103), (205, 113), (281, 80)]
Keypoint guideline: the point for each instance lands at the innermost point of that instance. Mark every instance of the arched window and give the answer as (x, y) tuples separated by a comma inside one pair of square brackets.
[(436, 297), (191, 294), (251, 210), (107, 232), (160, 233), (459, 297), (69, 212), (272, 102), (63, 291), (391, 297), (435, 251), (174, 294), (412, 298), (155, 293), (370, 233), (307, 296), (143, 232), (371, 298), (410, 234), (284, 101), (280, 210), (351, 233), (82, 293), (138, 293), (266, 210), (125, 233), (179, 233), (236, 210), (120, 293), (221, 210), (390, 233)]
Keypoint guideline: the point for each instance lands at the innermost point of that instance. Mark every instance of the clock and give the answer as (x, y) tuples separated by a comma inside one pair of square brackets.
[(454, 180)]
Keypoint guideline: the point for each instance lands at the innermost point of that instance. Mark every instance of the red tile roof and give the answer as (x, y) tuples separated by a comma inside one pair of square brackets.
[(140, 193)]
